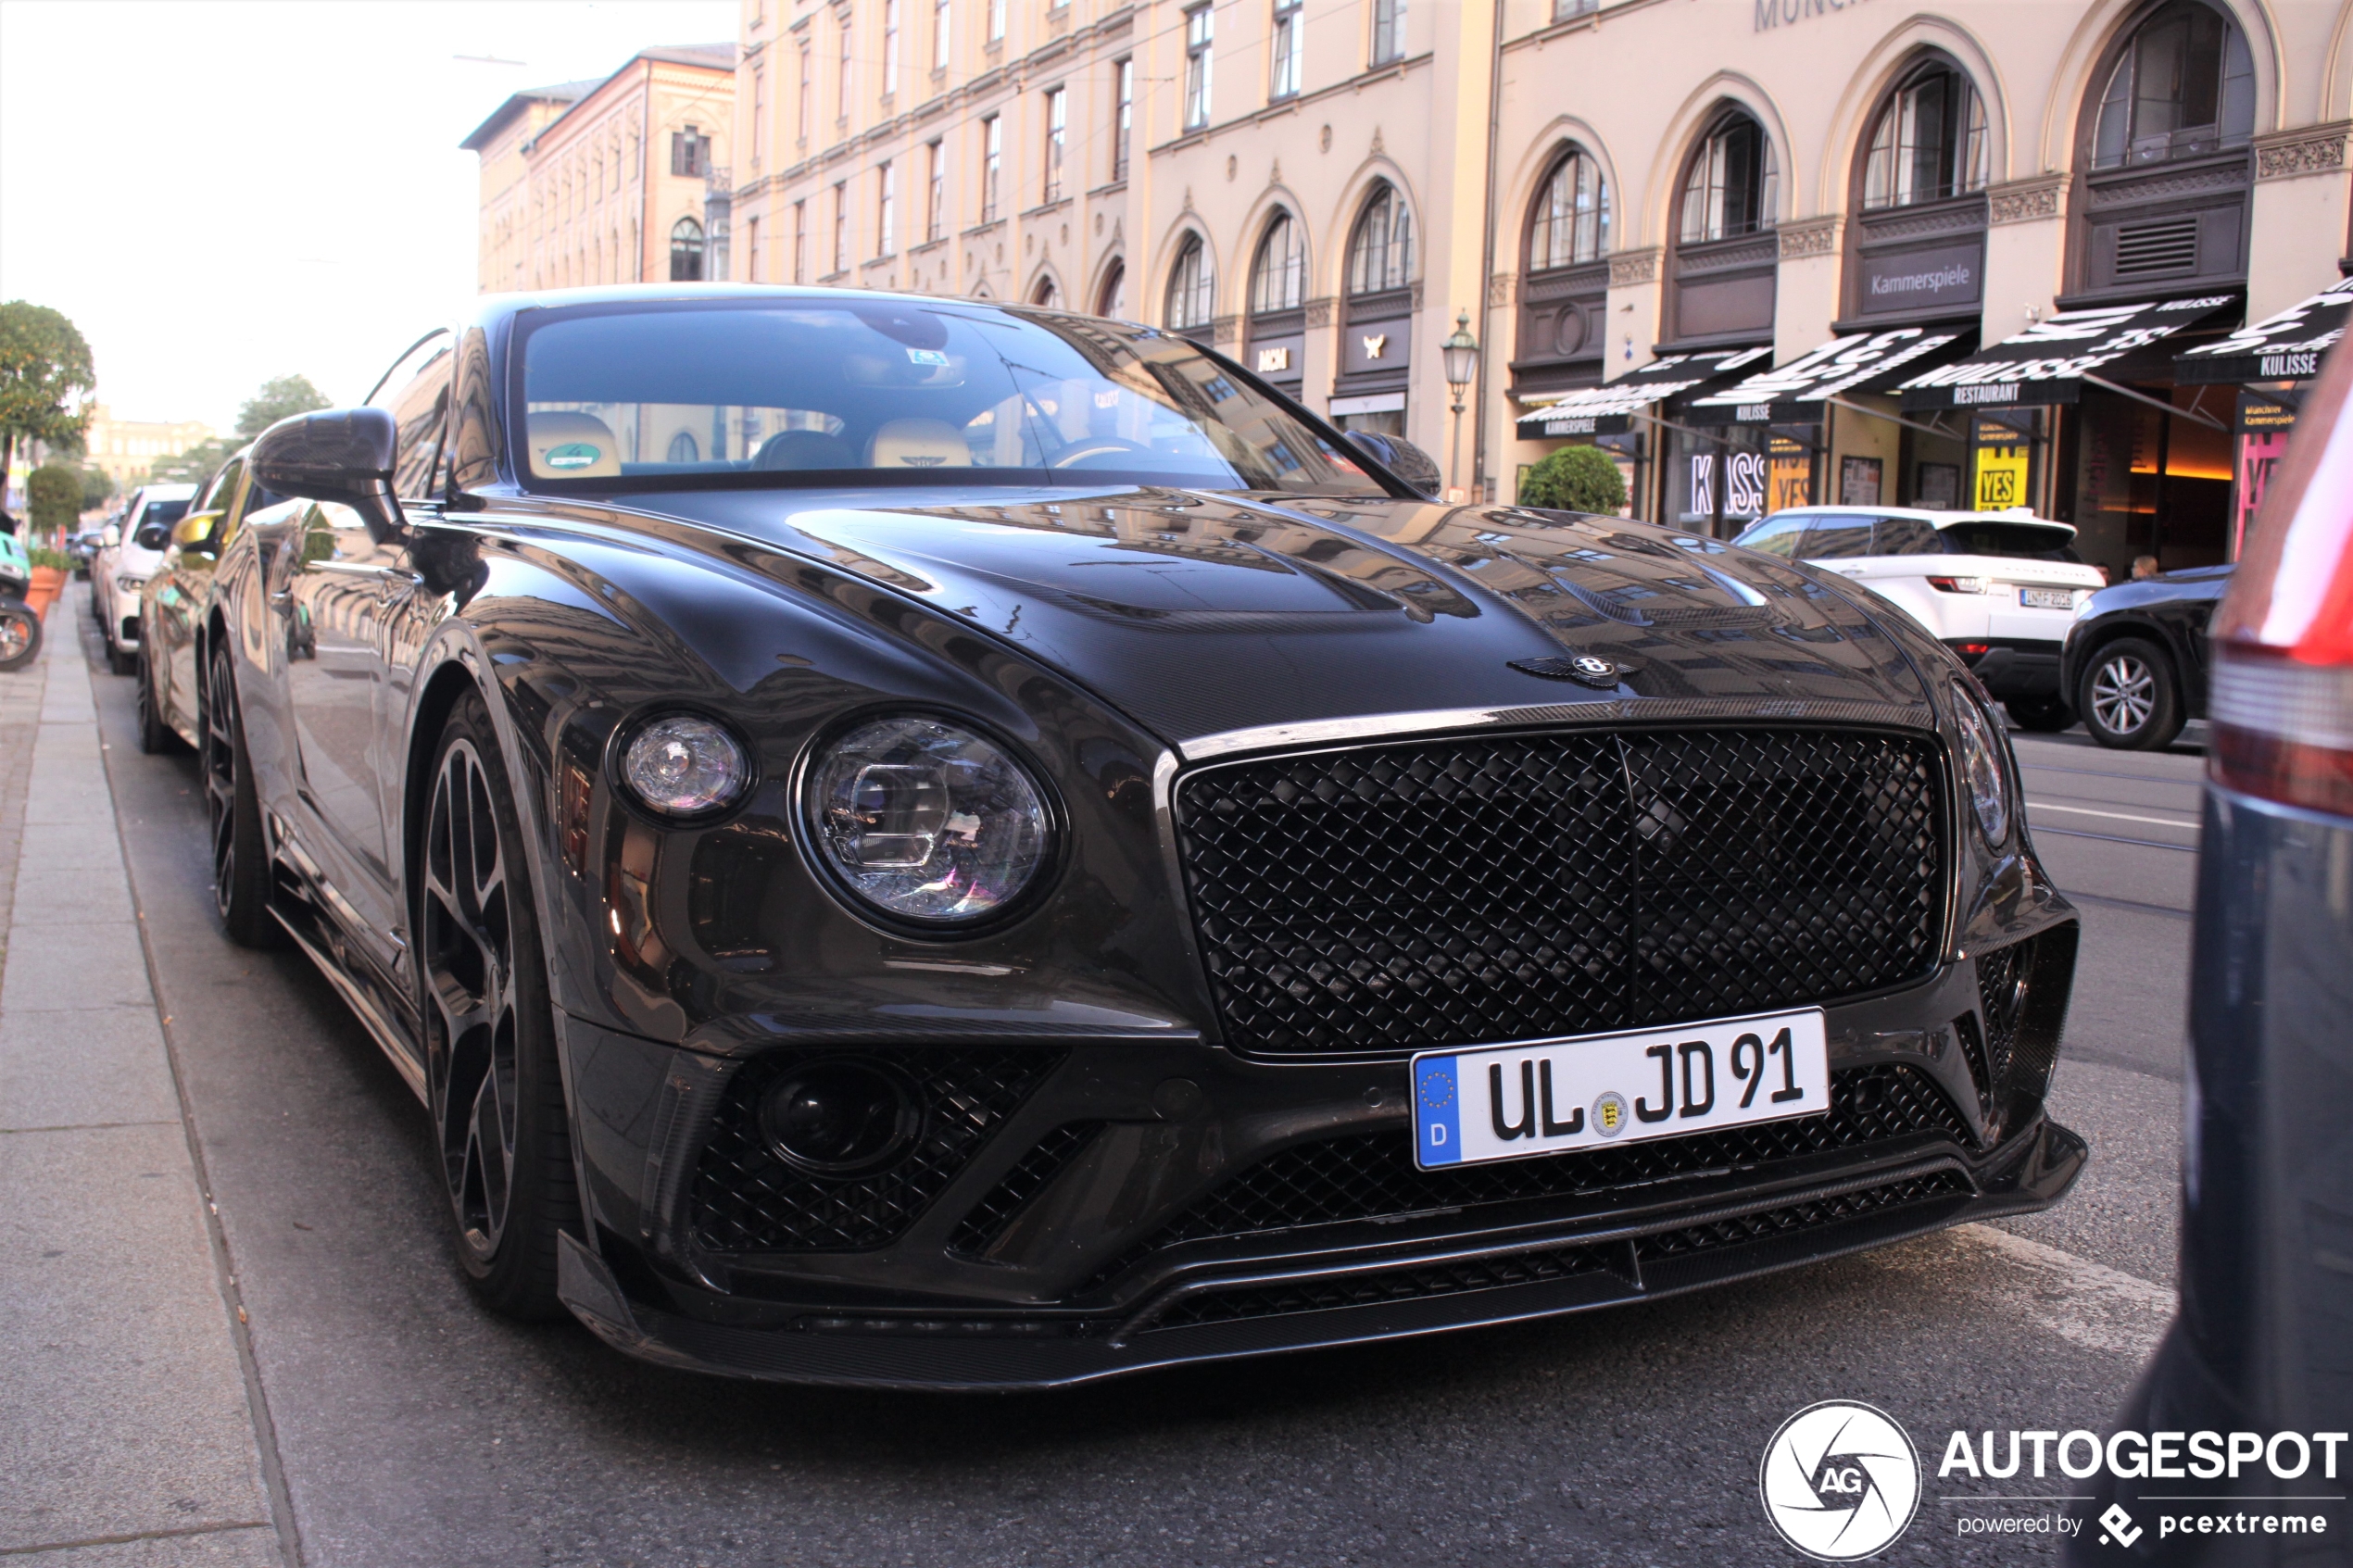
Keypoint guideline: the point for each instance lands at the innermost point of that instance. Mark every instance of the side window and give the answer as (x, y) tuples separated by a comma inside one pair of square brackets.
[(1906, 536), (1836, 536), (416, 393), (224, 487), (1777, 535)]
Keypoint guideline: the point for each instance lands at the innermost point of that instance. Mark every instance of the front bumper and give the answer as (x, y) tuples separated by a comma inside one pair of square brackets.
[(1128, 1205), (2020, 666)]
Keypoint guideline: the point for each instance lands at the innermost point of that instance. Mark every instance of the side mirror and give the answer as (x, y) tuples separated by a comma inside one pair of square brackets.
[(195, 531), (335, 455), (1402, 458), (153, 536)]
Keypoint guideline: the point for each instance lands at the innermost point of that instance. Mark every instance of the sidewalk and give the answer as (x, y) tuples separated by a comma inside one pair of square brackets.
[(126, 1435)]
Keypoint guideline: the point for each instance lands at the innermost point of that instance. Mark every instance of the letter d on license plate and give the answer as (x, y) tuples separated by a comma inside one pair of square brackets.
[(1511, 1102)]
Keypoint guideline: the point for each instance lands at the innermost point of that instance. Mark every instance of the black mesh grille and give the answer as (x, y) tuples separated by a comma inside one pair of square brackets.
[(1473, 891), (746, 1199), (2019, 1049), (1040, 1165), (1490, 1273), (1372, 1175)]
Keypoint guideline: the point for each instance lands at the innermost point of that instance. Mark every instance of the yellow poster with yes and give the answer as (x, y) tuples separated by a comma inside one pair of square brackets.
[(2001, 478)]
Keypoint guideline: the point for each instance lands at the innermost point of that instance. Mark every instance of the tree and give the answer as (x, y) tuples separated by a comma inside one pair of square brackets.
[(278, 398), (53, 496), (1575, 478), (97, 485), (46, 379), (196, 466)]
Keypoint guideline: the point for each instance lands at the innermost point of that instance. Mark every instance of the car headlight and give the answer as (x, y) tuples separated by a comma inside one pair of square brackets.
[(925, 820), (685, 766), (124, 582), (1982, 774)]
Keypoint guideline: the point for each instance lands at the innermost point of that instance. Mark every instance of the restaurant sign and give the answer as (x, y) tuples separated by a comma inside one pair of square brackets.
[(2288, 346), (1798, 392), (2047, 363)]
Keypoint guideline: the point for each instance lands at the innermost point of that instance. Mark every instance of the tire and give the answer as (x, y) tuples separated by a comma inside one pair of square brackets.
[(232, 808), (2041, 715), (155, 737), (19, 636), (2129, 697), (497, 1095)]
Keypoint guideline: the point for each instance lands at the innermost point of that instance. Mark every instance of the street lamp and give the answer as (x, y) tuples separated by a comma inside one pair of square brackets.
[(1460, 355)]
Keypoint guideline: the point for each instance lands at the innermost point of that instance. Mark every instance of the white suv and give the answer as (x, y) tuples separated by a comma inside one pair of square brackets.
[(125, 561), (1997, 588)]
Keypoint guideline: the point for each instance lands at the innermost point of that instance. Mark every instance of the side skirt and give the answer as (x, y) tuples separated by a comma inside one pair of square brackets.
[(388, 1039)]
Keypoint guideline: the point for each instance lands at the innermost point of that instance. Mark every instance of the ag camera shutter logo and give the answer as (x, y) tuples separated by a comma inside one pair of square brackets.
[(1840, 1480)]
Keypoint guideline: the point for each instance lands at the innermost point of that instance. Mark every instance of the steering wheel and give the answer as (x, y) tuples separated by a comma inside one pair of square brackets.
[(1087, 448)]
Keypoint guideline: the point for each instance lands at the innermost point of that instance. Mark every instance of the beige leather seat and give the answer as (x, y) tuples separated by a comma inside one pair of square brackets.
[(570, 445), (919, 444)]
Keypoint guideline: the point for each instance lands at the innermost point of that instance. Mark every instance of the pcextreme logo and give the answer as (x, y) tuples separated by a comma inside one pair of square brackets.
[(1840, 1480)]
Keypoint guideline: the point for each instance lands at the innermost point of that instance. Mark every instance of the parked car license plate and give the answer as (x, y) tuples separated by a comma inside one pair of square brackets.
[(2047, 598), (1516, 1102)]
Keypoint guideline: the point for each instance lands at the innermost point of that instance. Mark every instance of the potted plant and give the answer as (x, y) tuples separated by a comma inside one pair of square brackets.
[(50, 569)]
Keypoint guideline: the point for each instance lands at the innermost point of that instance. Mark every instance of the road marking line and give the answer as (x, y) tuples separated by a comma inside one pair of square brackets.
[(2119, 816), (2087, 1303)]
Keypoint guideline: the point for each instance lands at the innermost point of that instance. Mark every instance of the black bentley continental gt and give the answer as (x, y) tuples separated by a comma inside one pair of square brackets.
[(907, 841)]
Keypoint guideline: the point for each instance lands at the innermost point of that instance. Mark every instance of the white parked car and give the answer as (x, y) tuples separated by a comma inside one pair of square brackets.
[(128, 554), (1997, 588)]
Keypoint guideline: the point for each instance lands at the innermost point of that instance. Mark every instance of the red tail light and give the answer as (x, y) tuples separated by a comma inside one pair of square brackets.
[(1972, 650), (2282, 700)]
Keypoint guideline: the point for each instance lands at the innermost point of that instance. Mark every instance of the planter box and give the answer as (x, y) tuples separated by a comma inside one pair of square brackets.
[(47, 586)]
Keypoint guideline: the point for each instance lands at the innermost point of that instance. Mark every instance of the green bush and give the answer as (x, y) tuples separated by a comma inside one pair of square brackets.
[(53, 495), (42, 555), (1575, 478)]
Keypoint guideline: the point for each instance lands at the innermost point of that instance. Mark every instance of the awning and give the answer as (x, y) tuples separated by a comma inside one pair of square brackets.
[(2047, 363), (1610, 410), (1796, 394), (2287, 346)]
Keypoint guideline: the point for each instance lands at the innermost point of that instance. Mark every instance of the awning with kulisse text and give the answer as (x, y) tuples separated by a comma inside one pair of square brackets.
[(2048, 362), (1796, 394), (1610, 410), (2288, 346)]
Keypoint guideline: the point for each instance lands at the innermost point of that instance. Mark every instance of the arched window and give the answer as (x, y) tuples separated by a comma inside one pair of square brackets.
[(686, 251), (1734, 183), (1380, 251), (1929, 142), (683, 448), (1192, 287), (2183, 86), (1279, 273), (1571, 221), (1112, 298), (1045, 294)]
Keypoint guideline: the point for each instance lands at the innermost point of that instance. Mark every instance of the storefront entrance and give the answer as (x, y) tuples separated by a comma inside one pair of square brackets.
[(2145, 484)]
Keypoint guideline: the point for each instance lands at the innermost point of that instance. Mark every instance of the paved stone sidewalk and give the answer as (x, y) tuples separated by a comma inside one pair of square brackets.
[(126, 1430)]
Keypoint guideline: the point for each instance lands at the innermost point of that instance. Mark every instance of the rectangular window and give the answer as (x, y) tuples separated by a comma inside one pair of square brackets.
[(689, 154), (800, 242), (1290, 24), (996, 22), (754, 263), (1122, 76), (939, 35), (1200, 25), (886, 206), (807, 111), (993, 158), (841, 226), (845, 88), (759, 114), (1389, 31), (890, 47), (1057, 132), (935, 191), (1563, 10)]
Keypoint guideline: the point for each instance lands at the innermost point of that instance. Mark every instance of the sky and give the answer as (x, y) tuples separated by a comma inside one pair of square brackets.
[(219, 191)]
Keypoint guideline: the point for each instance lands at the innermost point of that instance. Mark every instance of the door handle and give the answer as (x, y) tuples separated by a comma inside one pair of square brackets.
[(282, 598)]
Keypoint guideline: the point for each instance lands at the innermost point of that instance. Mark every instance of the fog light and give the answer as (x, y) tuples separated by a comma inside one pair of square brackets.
[(685, 766), (840, 1118)]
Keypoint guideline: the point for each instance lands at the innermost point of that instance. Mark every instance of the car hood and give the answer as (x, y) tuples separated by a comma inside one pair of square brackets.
[(1200, 615)]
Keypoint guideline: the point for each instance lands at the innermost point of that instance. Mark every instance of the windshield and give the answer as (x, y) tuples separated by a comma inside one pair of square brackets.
[(2025, 541), (831, 394), (162, 511)]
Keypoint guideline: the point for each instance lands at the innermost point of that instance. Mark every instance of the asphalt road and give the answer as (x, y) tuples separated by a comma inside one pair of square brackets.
[(405, 1427)]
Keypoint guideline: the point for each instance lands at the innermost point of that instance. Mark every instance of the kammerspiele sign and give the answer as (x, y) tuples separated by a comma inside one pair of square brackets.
[(2288, 346), (1798, 392), (2048, 362)]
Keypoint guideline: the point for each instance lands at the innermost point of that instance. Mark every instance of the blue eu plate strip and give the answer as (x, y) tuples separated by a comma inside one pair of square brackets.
[(1438, 1111)]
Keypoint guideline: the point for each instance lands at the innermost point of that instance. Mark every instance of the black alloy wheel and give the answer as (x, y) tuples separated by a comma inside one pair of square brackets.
[(2041, 715), (233, 807), (2129, 697), (155, 737), (490, 1056)]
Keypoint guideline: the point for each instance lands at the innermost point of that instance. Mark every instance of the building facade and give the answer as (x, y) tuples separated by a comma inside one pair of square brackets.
[(126, 449), (610, 181), (1760, 211)]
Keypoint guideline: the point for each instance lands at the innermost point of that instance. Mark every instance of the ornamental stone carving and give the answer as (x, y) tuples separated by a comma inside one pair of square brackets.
[(1319, 311), (2311, 150), (1224, 330), (1631, 268), (1500, 288), (1811, 236), (2025, 201)]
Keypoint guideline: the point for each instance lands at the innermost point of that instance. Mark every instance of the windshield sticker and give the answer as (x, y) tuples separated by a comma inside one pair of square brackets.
[(926, 356), (573, 455)]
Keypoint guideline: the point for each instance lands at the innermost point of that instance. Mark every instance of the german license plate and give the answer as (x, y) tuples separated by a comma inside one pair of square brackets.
[(2047, 598), (1514, 1102)]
